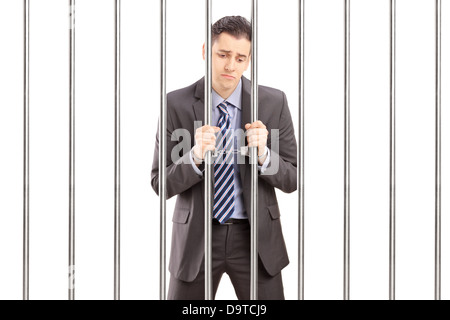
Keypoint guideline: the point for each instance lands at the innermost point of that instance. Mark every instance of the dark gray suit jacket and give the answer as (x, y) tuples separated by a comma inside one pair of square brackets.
[(184, 107)]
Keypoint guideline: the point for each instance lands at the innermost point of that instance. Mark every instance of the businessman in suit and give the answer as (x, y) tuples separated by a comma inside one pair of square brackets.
[(272, 134)]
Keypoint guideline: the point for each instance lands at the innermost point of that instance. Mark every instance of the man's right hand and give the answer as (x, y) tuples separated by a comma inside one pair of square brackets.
[(205, 140)]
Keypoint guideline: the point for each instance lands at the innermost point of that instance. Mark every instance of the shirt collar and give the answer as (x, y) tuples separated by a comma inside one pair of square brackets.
[(234, 99)]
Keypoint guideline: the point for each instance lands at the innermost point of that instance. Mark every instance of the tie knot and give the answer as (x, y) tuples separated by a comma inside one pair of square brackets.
[(223, 107)]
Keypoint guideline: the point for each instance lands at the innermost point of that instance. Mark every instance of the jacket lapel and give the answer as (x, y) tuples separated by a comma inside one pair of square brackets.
[(199, 106)]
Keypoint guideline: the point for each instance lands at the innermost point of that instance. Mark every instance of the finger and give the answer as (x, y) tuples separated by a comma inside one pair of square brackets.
[(203, 128), (199, 132), (251, 132), (208, 135), (247, 126), (257, 138), (250, 138), (257, 124), (209, 148), (207, 142), (259, 132), (210, 129), (260, 138), (253, 138)]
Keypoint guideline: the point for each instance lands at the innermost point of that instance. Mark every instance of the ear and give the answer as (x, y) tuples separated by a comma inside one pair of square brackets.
[(203, 51)]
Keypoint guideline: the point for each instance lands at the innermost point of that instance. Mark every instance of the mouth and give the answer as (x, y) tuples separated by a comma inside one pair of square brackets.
[(227, 76)]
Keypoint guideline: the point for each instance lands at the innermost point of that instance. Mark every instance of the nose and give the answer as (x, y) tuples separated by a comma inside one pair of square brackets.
[(230, 66)]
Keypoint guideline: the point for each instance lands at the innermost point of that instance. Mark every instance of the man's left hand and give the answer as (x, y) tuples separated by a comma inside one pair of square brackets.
[(257, 137)]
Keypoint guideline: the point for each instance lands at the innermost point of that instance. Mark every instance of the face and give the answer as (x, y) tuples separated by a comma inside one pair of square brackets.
[(230, 58)]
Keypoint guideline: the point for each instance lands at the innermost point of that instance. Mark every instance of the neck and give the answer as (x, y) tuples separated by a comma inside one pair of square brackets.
[(224, 93)]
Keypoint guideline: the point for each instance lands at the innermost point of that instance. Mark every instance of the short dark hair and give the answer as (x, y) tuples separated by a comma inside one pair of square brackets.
[(236, 26)]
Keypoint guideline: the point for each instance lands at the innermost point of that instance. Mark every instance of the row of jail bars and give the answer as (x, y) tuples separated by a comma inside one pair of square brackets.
[(253, 152)]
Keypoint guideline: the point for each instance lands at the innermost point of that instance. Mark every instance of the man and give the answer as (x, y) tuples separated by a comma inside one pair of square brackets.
[(277, 169)]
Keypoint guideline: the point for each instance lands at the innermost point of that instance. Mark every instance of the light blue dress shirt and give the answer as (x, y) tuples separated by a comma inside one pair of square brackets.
[(235, 112)]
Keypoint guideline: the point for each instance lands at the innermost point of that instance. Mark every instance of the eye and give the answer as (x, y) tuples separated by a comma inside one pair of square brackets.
[(222, 55)]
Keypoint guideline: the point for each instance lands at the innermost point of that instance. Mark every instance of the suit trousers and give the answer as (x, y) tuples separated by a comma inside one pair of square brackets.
[(231, 255)]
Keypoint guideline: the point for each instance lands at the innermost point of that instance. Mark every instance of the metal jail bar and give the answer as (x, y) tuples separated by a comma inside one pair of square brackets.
[(26, 151), (209, 174), (254, 161), (437, 290), (301, 155), (162, 155), (117, 155), (347, 153), (71, 149), (392, 154)]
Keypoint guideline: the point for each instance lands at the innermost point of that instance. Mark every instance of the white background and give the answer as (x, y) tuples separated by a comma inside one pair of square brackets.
[(278, 61)]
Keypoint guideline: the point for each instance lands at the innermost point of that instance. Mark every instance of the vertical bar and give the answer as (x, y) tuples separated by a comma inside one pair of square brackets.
[(26, 151), (301, 157), (347, 155), (254, 161), (437, 282), (117, 156), (208, 159), (72, 150), (392, 166), (162, 156)]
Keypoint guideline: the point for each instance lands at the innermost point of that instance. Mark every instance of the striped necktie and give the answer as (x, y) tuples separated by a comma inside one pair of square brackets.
[(224, 169)]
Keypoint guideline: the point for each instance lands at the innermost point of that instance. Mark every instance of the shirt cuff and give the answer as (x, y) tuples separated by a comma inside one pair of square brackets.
[(266, 162), (196, 169)]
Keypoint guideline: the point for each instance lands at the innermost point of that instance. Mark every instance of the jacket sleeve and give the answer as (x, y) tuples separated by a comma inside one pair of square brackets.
[(281, 172), (180, 175)]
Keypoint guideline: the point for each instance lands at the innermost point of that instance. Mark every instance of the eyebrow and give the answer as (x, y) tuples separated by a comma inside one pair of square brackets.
[(228, 51)]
